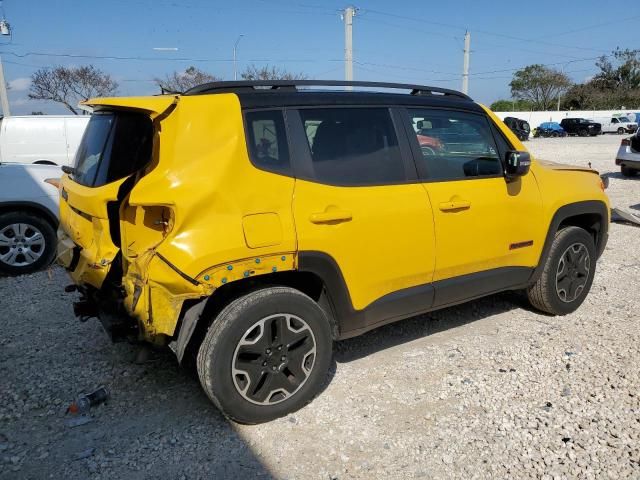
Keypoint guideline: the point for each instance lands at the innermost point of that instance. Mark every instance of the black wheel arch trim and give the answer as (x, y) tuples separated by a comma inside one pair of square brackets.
[(16, 206), (588, 207)]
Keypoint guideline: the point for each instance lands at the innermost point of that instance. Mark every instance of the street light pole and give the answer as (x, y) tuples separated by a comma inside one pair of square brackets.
[(235, 49)]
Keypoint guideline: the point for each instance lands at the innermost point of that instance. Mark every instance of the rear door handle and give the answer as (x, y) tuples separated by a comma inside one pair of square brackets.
[(452, 205), (331, 216)]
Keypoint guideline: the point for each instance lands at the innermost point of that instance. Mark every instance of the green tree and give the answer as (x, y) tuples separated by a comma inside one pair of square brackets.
[(617, 84), (511, 106), (623, 72), (539, 85)]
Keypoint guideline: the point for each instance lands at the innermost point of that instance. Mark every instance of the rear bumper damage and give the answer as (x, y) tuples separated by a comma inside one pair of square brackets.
[(145, 303)]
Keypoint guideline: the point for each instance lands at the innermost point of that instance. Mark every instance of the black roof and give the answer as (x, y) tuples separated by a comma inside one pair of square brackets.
[(280, 93)]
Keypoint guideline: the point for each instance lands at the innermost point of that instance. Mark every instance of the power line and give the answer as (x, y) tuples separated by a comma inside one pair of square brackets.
[(158, 59), (597, 25), (485, 32)]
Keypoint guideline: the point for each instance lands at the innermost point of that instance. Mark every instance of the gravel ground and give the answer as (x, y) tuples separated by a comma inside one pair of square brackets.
[(490, 389)]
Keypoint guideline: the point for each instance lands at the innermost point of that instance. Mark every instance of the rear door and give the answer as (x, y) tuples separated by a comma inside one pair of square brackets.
[(487, 229), (357, 200)]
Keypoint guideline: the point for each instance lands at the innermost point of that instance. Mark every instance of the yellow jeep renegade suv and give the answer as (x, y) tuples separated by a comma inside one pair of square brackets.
[(249, 224)]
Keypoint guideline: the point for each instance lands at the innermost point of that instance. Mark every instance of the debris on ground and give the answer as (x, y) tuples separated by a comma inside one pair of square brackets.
[(624, 215)]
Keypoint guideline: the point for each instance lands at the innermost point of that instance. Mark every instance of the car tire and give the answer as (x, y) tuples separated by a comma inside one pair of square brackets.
[(583, 133), (621, 131), (27, 243), (282, 339), (628, 172), (567, 274)]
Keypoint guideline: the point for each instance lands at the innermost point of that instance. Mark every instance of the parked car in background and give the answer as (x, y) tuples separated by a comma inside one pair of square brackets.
[(550, 129), (520, 127), (619, 125), (264, 223), (581, 127), (628, 156), (28, 216), (44, 139)]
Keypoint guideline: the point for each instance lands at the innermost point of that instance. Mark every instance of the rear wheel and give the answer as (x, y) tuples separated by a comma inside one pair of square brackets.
[(567, 273), (628, 172), (27, 243), (265, 355), (583, 132), (621, 131)]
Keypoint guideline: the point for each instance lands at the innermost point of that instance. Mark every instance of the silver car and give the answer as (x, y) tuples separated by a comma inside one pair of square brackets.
[(628, 156)]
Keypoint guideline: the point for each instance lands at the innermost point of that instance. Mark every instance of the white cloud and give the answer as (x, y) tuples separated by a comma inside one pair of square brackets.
[(20, 84)]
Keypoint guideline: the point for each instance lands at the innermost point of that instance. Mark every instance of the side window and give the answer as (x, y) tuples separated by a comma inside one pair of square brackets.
[(614, 120), (267, 141), (455, 145), (353, 146)]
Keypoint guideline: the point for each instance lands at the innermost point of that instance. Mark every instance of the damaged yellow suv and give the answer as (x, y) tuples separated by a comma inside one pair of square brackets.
[(248, 225)]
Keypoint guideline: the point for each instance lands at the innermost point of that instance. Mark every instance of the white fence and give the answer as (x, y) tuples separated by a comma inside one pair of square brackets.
[(536, 118)]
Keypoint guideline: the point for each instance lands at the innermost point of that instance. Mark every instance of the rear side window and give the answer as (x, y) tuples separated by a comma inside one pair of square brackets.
[(455, 145), (114, 145), (353, 146), (267, 141)]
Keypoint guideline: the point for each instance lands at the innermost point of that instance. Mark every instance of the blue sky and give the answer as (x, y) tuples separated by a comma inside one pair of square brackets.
[(417, 42)]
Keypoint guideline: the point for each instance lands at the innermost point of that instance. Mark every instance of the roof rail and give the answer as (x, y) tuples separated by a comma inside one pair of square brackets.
[(268, 85)]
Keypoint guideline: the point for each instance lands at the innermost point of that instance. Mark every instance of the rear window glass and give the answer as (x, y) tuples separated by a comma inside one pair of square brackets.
[(353, 146), (267, 141), (114, 145)]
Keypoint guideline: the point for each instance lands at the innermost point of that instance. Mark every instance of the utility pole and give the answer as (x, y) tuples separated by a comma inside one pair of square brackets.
[(4, 99), (347, 16), (465, 65)]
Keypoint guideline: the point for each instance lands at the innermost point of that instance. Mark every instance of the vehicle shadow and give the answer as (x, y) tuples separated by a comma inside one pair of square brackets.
[(421, 326), (619, 176)]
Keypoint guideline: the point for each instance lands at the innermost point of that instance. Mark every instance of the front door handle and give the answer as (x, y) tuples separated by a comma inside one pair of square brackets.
[(455, 205), (331, 216)]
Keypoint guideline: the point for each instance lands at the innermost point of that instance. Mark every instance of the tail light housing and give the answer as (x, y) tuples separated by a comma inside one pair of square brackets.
[(625, 142)]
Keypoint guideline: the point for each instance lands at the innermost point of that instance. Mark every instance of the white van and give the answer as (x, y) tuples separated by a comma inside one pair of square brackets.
[(44, 139), (620, 125)]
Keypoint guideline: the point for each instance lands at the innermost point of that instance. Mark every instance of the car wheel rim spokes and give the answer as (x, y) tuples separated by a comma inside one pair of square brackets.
[(273, 359), (21, 244), (573, 272)]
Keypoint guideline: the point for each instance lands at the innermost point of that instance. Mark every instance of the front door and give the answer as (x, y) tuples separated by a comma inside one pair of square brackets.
[(356, 203), (488, 233)]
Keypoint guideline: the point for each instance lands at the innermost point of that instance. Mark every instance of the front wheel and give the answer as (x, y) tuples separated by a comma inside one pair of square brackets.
[(27, 243), (621, 131), (567, 273), (265, 355), (583, 133)]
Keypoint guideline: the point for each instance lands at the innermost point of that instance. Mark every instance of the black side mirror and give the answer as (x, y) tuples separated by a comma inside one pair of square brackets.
[(517, 164)]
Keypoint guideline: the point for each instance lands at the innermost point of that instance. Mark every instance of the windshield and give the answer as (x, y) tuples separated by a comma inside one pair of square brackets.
[(114, 145), (624, 119)]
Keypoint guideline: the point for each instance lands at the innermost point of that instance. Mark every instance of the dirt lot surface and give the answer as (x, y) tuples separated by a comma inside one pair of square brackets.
[(490, 389)]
